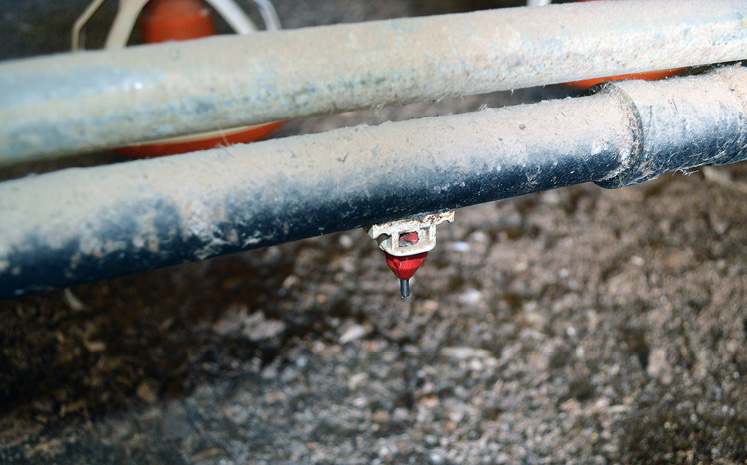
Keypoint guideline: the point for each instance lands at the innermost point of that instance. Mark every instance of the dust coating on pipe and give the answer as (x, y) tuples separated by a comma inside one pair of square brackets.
[(87, 101), (703, 125), (80, 225)]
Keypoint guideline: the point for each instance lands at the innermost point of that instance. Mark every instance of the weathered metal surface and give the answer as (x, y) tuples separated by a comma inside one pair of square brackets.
[(387, 235), (93, 100), (683, 123), (81, 225)]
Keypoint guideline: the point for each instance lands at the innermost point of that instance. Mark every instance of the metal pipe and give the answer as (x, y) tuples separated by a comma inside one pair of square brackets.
[(80, 225), (87, 101)]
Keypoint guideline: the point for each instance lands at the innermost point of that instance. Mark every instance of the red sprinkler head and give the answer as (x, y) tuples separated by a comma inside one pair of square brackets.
[(404, 268), (406, 243)]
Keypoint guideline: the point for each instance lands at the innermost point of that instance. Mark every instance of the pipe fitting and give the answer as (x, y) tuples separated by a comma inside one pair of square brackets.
[(681, 123)]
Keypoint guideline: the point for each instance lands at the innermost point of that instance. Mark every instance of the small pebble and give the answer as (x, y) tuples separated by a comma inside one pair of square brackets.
[(458, 246), (353, 333)]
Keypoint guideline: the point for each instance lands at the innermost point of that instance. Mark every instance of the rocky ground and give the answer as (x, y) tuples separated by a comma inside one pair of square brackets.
[(573, 326)]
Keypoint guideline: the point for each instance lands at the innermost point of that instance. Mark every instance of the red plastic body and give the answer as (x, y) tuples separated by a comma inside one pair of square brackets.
[(164, 20), (405, 267)]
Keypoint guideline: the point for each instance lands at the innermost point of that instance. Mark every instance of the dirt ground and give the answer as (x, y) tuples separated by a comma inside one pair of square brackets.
[(574, 326)]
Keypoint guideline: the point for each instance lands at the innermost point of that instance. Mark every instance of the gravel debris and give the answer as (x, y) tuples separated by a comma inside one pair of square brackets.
[(579, 326)]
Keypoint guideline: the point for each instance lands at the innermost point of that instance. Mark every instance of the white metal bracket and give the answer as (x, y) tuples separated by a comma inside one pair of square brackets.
[(396, 237)]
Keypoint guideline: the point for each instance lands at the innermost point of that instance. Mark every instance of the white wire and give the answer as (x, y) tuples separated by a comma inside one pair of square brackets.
[(80, 23), (234, 16), (268, 13), (240, 21)]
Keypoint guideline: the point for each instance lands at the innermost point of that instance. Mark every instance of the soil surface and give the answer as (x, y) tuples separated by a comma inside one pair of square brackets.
[(573, 326)]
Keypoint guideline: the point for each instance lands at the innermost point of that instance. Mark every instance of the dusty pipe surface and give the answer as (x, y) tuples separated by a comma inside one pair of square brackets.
[(72, 103), (80, 225), (684, 126)]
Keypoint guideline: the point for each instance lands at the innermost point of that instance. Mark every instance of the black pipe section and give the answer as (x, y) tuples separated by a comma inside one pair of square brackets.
[(682, 123), (81, 225)]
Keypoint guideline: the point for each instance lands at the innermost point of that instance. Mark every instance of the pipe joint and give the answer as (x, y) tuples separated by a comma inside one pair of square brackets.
[(682, 123)]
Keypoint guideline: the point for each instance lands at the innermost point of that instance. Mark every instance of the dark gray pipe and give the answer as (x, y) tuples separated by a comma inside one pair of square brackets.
[(81, 225), (682, 123)]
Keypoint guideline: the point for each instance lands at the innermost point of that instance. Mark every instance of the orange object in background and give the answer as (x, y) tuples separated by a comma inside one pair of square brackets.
[(164, 20), (203, 141), (647, 76)]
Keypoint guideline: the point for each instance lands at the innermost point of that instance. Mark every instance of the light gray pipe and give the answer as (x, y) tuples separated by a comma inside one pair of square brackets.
[(80, 225), (94, 100)]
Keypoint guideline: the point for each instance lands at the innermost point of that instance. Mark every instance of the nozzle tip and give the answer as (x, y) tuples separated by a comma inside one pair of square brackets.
[(404, 288)]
